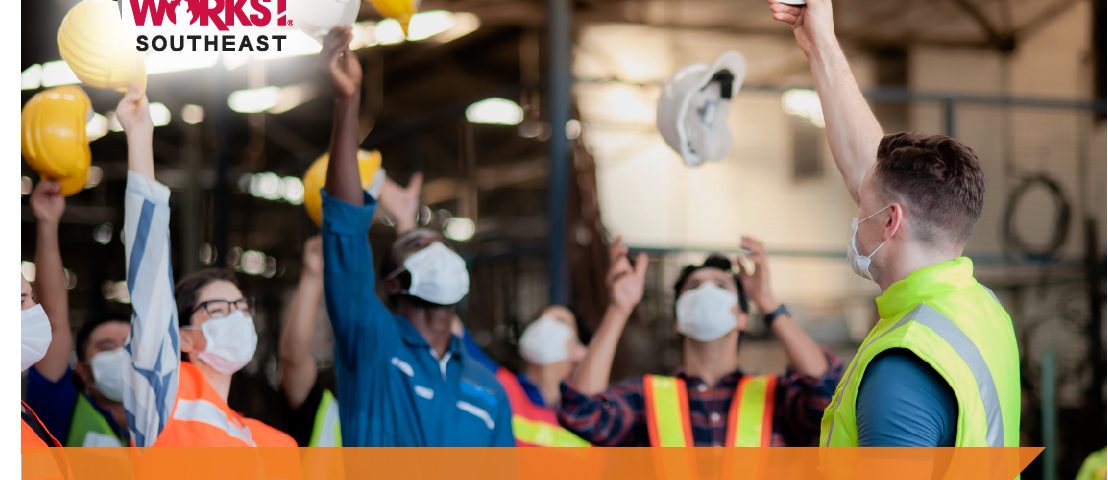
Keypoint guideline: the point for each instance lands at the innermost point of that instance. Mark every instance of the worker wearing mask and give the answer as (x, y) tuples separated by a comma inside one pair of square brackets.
[(172, 402), (941, 367), (93, 415), (404, 379), (551, 349), (710, 400)]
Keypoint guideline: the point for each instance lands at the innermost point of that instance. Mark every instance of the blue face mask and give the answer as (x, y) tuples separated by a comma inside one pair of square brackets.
[(860, 262)]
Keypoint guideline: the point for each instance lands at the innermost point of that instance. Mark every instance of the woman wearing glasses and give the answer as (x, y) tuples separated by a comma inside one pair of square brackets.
[(186, 343)]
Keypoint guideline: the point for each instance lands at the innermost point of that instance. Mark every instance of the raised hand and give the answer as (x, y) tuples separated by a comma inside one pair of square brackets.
[(625, 282), (47, 204), (339, 63), (402, 203), (812, 23), (756, 283), (133, 113)]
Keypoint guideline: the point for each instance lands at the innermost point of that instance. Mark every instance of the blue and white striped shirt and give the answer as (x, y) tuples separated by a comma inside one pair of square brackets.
[(150, 391)]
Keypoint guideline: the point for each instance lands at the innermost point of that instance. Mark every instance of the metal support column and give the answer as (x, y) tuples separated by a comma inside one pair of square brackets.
[(557, 100)]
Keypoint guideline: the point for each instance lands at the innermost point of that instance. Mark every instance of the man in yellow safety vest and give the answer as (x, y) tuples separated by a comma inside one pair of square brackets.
[(941, 367), (710, 400)]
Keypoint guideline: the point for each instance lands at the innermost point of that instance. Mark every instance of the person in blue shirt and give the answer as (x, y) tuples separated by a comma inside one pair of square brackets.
[(403, 378)]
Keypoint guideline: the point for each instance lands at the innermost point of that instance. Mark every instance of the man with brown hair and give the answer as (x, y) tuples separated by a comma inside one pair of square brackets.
[(941, 367)]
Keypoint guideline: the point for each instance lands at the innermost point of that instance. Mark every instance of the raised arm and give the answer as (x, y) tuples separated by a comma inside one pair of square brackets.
[(625, 287), (804, 354), (298, 368), (345, 74), (852, 130), (47, 205), (150, 391)]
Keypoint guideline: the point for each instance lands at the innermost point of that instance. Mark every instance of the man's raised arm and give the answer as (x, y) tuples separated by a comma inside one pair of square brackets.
[(852, 130)]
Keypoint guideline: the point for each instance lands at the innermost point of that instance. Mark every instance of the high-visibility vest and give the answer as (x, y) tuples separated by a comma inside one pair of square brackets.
[(28, 437), (36, 464), (202, 419), (326, 430), (1094, 467), (89, 428), (750, 418), (943, 316), (532, 425)]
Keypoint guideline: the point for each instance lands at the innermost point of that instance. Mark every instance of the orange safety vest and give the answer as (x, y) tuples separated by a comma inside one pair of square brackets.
[(750, 421), (534, 426), (201, 418), (28, 437), (38, 464)]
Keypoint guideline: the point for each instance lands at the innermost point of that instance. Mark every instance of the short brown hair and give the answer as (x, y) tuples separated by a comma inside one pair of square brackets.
[(188, 290), (938, 178)]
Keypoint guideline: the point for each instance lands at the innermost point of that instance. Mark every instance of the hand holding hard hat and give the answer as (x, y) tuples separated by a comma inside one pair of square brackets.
[(401, 10), (93, 41), (693, 108), (369, 164), (317, 17), (53, 139)]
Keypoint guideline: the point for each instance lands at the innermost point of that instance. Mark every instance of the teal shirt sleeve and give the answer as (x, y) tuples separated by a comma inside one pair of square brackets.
[(903, 402)]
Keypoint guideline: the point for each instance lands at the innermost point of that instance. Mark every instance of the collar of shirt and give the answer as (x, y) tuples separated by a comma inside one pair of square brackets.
[(731, 380), (414, 339)]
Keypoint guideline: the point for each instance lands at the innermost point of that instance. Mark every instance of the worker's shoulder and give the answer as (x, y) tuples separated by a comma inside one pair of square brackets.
[(267, 436)]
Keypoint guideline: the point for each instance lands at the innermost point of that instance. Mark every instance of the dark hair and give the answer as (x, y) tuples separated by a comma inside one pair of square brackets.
[(714, 260), (188, 290), (113, 312), (939, 178)]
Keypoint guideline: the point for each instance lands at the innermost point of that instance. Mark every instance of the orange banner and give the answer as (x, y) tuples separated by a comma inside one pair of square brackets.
[(526, 463)]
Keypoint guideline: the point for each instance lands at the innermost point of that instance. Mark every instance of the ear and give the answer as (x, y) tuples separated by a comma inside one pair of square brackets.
[(742, 320), (896, 221), (392, 286), (83, 370), (186, 340)]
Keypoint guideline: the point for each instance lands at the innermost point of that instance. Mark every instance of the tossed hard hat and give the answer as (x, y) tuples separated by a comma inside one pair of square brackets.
[(93, 41), (369, 163), (693, 108), (316, 18), (53, 138), (401, 10)]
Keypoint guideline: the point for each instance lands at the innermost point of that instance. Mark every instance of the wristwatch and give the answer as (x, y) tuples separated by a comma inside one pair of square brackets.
[(768, 318)]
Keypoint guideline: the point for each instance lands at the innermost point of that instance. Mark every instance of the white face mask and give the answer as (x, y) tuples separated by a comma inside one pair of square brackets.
[(545, 341), (35, 336), (860, 262), (707, 312), (108, 368), (438, 275), (229, 342)]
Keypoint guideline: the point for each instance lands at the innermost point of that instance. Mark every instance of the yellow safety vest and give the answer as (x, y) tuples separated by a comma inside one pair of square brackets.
[(942, 315), (750, 420), (89, 428), (326, 430)]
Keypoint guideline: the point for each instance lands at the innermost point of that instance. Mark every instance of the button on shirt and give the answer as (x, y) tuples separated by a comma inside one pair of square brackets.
[(392, 388)]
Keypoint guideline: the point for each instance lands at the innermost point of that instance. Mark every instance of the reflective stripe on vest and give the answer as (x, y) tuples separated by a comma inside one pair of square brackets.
[(533, 425), (326, 431), (936, 339), (543, 434), (203, 411), (750, 418), (89, 428)]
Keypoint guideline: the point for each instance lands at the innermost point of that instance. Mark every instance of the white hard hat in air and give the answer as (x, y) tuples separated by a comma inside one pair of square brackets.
[(693, 108)]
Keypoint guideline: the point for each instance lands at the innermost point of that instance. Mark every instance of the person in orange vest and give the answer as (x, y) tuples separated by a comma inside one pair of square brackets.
[(171, 402), (35, 338), (551, 349), (710, 401)]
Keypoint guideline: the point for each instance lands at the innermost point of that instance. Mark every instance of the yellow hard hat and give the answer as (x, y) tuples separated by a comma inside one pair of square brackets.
[(368, 165), (53, 136), (73, 184), (401, 10), (93, 41)]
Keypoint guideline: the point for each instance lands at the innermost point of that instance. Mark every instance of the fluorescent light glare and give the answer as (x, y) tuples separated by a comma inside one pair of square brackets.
[(254, 100), (803, 103), (31, 77), (96, 127), (57, 73), (497, 111), (192, 114), (159, 114), (459, 229)]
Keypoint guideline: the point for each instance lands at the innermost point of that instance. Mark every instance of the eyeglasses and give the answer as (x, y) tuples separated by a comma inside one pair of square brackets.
[(222, 308)]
